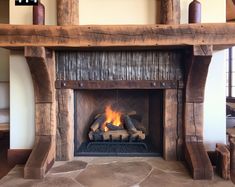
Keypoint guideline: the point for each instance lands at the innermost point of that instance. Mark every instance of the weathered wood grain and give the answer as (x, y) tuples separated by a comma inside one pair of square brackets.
[(230, 13), (42, 67), (223, 161), (36, 59), (119, 65), (180, 135), (67, 12), (65, 124), (196, 73), (198, 161), (193, 122), (117, 35), (170, 124), (170, 11), (41, 159)]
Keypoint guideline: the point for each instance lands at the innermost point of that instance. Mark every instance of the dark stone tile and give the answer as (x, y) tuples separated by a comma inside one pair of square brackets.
[(69, 166), (118, 174)]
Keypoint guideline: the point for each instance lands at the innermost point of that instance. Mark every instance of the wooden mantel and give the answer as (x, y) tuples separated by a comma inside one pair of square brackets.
[(216, 34)]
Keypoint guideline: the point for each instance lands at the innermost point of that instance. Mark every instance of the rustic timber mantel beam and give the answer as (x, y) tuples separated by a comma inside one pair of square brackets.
[(217, 34)]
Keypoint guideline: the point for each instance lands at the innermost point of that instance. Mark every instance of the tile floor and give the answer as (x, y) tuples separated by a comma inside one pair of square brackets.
[(113, 172)]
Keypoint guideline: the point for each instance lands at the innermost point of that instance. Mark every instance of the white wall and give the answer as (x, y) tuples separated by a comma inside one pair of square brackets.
[(118, 12), (21, 108)]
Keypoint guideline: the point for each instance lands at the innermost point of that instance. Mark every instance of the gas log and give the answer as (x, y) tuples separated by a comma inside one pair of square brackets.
[(116, 135), (99, 119), (130, 128)]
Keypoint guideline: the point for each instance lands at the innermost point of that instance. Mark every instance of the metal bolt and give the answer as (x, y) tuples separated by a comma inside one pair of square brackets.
[(163, 84), (153, 84), (64, 84), (81, 84)]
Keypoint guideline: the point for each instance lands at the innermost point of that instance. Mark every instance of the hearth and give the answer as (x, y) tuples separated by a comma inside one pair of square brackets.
[(118, 123)]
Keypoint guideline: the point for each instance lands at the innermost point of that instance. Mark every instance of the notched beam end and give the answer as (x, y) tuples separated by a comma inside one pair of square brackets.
[(35, 52), (202, 50)]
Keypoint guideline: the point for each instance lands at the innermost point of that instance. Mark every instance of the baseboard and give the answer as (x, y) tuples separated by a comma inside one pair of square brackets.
[(18, 156)]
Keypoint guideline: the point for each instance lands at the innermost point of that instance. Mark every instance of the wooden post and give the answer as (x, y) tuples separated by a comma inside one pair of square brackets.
[(170, 124), (170, 12), (67, 14), (223, 161)]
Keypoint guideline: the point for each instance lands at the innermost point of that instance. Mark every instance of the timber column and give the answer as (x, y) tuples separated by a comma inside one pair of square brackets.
[(67, 14), (172, 115)]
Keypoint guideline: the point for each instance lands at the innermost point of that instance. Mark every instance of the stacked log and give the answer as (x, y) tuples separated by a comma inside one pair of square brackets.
[(130, 128)]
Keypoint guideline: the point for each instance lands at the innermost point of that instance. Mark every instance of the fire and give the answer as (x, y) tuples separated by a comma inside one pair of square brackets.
[(112, 117)]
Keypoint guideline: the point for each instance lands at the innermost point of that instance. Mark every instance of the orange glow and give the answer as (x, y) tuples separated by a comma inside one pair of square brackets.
[(113, 117)]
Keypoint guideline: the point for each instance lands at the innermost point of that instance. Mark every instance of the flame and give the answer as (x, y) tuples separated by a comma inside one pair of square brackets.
[(113, 117)]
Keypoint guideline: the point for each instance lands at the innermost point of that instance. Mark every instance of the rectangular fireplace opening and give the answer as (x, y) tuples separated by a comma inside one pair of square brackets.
[(139, 131)]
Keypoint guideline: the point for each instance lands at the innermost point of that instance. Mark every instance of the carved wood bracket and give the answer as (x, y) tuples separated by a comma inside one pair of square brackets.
[(42, 67), (196, 73)]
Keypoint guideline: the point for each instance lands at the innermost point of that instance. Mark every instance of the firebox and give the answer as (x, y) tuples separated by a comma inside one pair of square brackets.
[(118, 122)]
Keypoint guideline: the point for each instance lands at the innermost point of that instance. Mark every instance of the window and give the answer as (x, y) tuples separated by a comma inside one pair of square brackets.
[(230, 74)]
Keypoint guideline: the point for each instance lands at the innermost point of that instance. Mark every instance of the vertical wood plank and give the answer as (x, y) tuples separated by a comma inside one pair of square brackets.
[(223, 161), (65, 121), (170, 124), (68, 14), (170, 11)]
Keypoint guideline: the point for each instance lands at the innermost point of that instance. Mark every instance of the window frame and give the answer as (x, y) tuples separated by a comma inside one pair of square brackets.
[(229, 98)]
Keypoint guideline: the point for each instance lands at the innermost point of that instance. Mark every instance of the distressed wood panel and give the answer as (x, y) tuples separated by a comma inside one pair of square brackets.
[(45, 119), (65, 124), (170, 11), (117, 35), (170, 124), (119, 65), (198, 161), (223, 161), (36, 59), (42, 67), (180, 134), (193, 121), (67, 12), (41, 159)]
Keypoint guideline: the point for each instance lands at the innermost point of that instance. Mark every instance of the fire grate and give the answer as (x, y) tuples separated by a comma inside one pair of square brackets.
[(116, 148)]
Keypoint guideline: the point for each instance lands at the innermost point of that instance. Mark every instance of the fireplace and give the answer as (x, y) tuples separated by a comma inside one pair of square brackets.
[(141, 109), (146, 82)]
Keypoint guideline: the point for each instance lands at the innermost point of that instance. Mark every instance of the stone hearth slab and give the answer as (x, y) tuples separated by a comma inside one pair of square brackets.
[(115, 172)]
